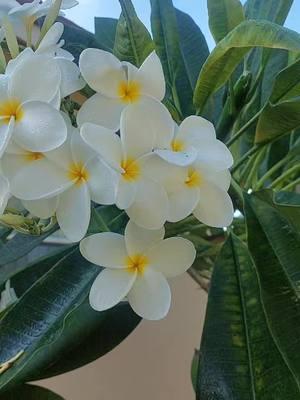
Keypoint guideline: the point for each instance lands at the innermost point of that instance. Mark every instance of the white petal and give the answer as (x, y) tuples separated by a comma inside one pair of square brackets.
[(126, 193), (42, 128), (182, 203), (216, 155), (6, 131), (12, 163), (215, 206), (29, 82), (39, 179), (222, 179), (74, 212), (152, 78), (71, 81), (144, 126), (102, 71), (139, 239), (150, 296), (82, 153), (4, 79), (105, 142), (101, 110), (172, 256), (180, 158), (27, 53), (4, 193), (42, 208), (109, 288), (196, 131), (51, 38), (106, 249), (102, 182), (150, 207)]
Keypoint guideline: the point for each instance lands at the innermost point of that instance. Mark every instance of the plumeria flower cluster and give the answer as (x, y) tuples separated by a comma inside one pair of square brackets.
[(124, 150)]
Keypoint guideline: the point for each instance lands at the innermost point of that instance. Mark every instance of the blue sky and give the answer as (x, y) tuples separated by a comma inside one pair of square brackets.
[(85, 12)]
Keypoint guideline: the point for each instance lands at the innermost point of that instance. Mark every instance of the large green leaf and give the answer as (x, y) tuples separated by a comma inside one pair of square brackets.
[(105, 32), (230, 51), (239, 358), (224, 15), (286, 84), (277, 120), (274, 243), (275, 11), (167, 42), (133, 42), (55, 326), (30, 392), (193, 45), (20, 245), (52, 322)]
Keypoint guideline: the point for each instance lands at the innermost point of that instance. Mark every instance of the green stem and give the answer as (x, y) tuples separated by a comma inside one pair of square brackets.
[(291, 185), (255, 167), (249, 153), (285, 175), (271, 171), (243, 129)]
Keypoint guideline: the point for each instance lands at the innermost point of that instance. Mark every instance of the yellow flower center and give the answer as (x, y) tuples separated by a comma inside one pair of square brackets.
[(194, 178), (78, 173), (33, 156), (10, 108), (177, 145), (131, 170), (137, 263), (129, 92)]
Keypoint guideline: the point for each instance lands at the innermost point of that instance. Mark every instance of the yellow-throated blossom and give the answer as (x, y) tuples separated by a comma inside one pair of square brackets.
[(136, 267), (137, 191), (61, 182), (28, 103), (117, 84)]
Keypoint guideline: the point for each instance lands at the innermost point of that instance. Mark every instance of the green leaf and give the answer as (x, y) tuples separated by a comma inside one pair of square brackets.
[(167, 41), (21, 245), (231, 50), (133, 42), (52, 323), (239, 358), (105, 31), (30, 392), (277, 120), (55, 327), (286, 84), (194, 369), (224, 16), (274, 243), (193, 46), (275, 11)]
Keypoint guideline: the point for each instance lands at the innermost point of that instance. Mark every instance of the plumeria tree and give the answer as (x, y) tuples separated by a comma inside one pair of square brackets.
[(153, 157)]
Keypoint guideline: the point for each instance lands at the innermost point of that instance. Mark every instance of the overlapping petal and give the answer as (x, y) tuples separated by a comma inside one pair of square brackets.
[(138, 239), (150, 296), (110, 287), (105, 249)]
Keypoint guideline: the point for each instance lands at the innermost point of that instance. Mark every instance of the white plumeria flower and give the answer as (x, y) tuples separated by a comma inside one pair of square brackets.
[(195, 139), (30, 12), (51, 44), (61, 182), (140, 194), (26, 113), (6, 6), (4, 193), (198, 188), (136, 266), (117, 84)]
